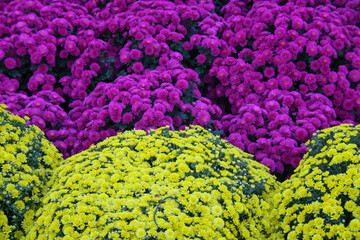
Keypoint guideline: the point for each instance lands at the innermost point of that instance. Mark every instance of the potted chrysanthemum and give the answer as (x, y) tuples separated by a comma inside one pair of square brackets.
[(162, 185), (26, 162), (321, 200)]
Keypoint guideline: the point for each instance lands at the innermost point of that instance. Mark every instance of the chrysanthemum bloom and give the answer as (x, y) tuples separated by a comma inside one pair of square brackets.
[(282, 68), (195, 39), (259, 87), (310, 79), (138, 67), (263, 143), (269, 72), (203, 117), (48, 116), (338, 44), (215, 51), (286, 83), (70, 46), (162, 93), (328, 89), (252, 147), (137, 108), (288, 100), (177, 121), (42, 50), (272, 106), (127, 118), (125, 57), (222, 74), (188, 46), (286, 55), (10, 63), (29, 42), (200, 106), (39, 78), (313, 34), (269, 163), (348, 104), (52, 135), (354, 76), (201, 58), (327, 50), (314, 65), (174, 97), (160, 38), (39, 103), (115, 111), (312, 49), (61, 115), (225, 52), (113, 26), (315, 121), (112, 92), (297, 23), (282, 119), (272, 83), (35, 58), (38, 121), (288, 144), (165, 76), (261, 132), (177, 56), (267, 16), (344, 84), (350, 93), (136, 54), (249, 118), (182, 84)]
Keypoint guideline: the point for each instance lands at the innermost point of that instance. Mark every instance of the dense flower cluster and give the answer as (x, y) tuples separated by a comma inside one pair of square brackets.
[(112, 190), (321, 200), (278, 70), (285, 48), (27, 159), (147, 101), (277, 80)]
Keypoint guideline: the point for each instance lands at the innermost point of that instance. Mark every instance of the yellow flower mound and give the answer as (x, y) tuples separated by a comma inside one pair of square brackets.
[(26, 162), (210, 190), (322, 198)]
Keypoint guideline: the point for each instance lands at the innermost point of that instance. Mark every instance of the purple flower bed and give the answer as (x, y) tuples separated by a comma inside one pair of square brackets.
[(265, 75)]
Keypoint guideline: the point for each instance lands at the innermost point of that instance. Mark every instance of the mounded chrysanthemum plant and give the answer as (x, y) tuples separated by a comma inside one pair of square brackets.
[(322, 198), (165, 184), (27, 159)]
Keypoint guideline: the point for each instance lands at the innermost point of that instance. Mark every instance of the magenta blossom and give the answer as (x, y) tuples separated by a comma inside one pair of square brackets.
[(269, 163), (201, 58), (203, 117), (10, 63)]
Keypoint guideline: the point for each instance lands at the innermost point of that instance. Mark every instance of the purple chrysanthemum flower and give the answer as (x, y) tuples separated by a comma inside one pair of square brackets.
[(203, 118), (10, 63), (182, 84), (127, 118), (138, 67), (269, 163), (136, 54), (286, 83), (201, 58)]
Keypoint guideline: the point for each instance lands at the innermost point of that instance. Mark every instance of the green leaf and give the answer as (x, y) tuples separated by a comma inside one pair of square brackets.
[(183, 116), (109, 73), (218, 132)]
